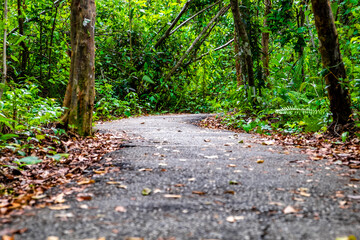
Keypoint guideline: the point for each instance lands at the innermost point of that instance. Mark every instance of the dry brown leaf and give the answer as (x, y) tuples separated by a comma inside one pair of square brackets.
[(231, 165), (6, 237), (290, 209), (198, 192), (60, 198), (233, 219), (120, 209), (86, 181), (260, 161), (60, 207)]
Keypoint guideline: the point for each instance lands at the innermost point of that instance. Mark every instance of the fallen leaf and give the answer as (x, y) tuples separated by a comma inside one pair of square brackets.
[(99, 172), (260, 161), (52, 238), (207, 140), (290, 209), (231, 165), (211, 157), (172, 196), (122, 186), (120, 209), (145, 170), (234, 183), (37, 197), (146, 191), (64, 215), (83, 197), (355, 179), (60, 207), (198, 192), (229, 192), (113, 183), (134, 238), (86, 181), (191, 179), (356, 197), (233, 219), (351, 237), (6, 237), (60, 198), (179, 185), (276, 203)]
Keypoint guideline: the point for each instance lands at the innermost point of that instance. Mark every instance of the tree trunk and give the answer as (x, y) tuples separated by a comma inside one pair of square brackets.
[(25, 52), (80, 92), (245, 51), (340, 103), (265, 40), (3, 80), (237, 61)]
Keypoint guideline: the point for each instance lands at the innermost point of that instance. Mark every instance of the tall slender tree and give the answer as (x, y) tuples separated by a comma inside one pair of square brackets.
[(340, 104), (244, 43), (80, 92), (4, 75)]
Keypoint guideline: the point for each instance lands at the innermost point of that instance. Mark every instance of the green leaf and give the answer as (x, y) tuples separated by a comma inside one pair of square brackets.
[(14, 58), (29, 160), (344, 136), (40, 137), (146, 191), (148, 79), (8, 136)]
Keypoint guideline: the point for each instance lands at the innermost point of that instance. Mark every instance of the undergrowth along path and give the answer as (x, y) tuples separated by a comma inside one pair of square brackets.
[(174, 180)]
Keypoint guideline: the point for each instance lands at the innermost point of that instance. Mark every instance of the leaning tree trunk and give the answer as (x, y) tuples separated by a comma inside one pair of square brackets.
[(265, 39), (340, 103), (80, 92), (244, 43), (3, 80)]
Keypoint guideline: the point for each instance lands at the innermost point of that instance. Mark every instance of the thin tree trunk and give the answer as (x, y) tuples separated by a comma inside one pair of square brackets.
[(25, 52), (212, 22), (51, 41), (239, 79), (130, 31), (265, 39), (3, 80), (80, 92), (340, 103), (245, 52), (301, 23), (167, 33)]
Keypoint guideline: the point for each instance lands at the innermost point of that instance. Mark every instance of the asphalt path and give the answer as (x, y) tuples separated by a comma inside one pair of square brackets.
[(174, 180)]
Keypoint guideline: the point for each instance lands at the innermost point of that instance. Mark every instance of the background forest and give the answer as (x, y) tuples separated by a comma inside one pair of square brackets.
[(136, 54)]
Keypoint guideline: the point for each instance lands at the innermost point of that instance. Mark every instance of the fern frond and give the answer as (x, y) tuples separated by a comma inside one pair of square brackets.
[(299, 111)]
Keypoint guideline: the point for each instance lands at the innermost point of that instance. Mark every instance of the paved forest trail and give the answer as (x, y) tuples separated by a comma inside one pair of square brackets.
[(205, 184)]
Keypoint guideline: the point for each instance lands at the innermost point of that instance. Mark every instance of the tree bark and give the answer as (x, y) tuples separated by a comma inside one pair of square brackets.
[(244, 43), (3, 80), (80, 92), (265, 39), (239, 79), (340, 103)]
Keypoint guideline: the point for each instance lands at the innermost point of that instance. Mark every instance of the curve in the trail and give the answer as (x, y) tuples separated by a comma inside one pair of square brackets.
[(205, 184)]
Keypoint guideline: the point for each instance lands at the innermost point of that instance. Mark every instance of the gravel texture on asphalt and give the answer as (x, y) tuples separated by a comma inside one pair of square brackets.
[(205, 184)]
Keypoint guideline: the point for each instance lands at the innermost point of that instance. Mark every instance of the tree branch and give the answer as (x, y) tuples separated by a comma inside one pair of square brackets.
[(214, 21), (192, 17), (167, 33), (214, 50)]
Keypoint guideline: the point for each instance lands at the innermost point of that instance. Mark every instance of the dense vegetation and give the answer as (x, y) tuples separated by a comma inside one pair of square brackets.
[(135, 74)]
